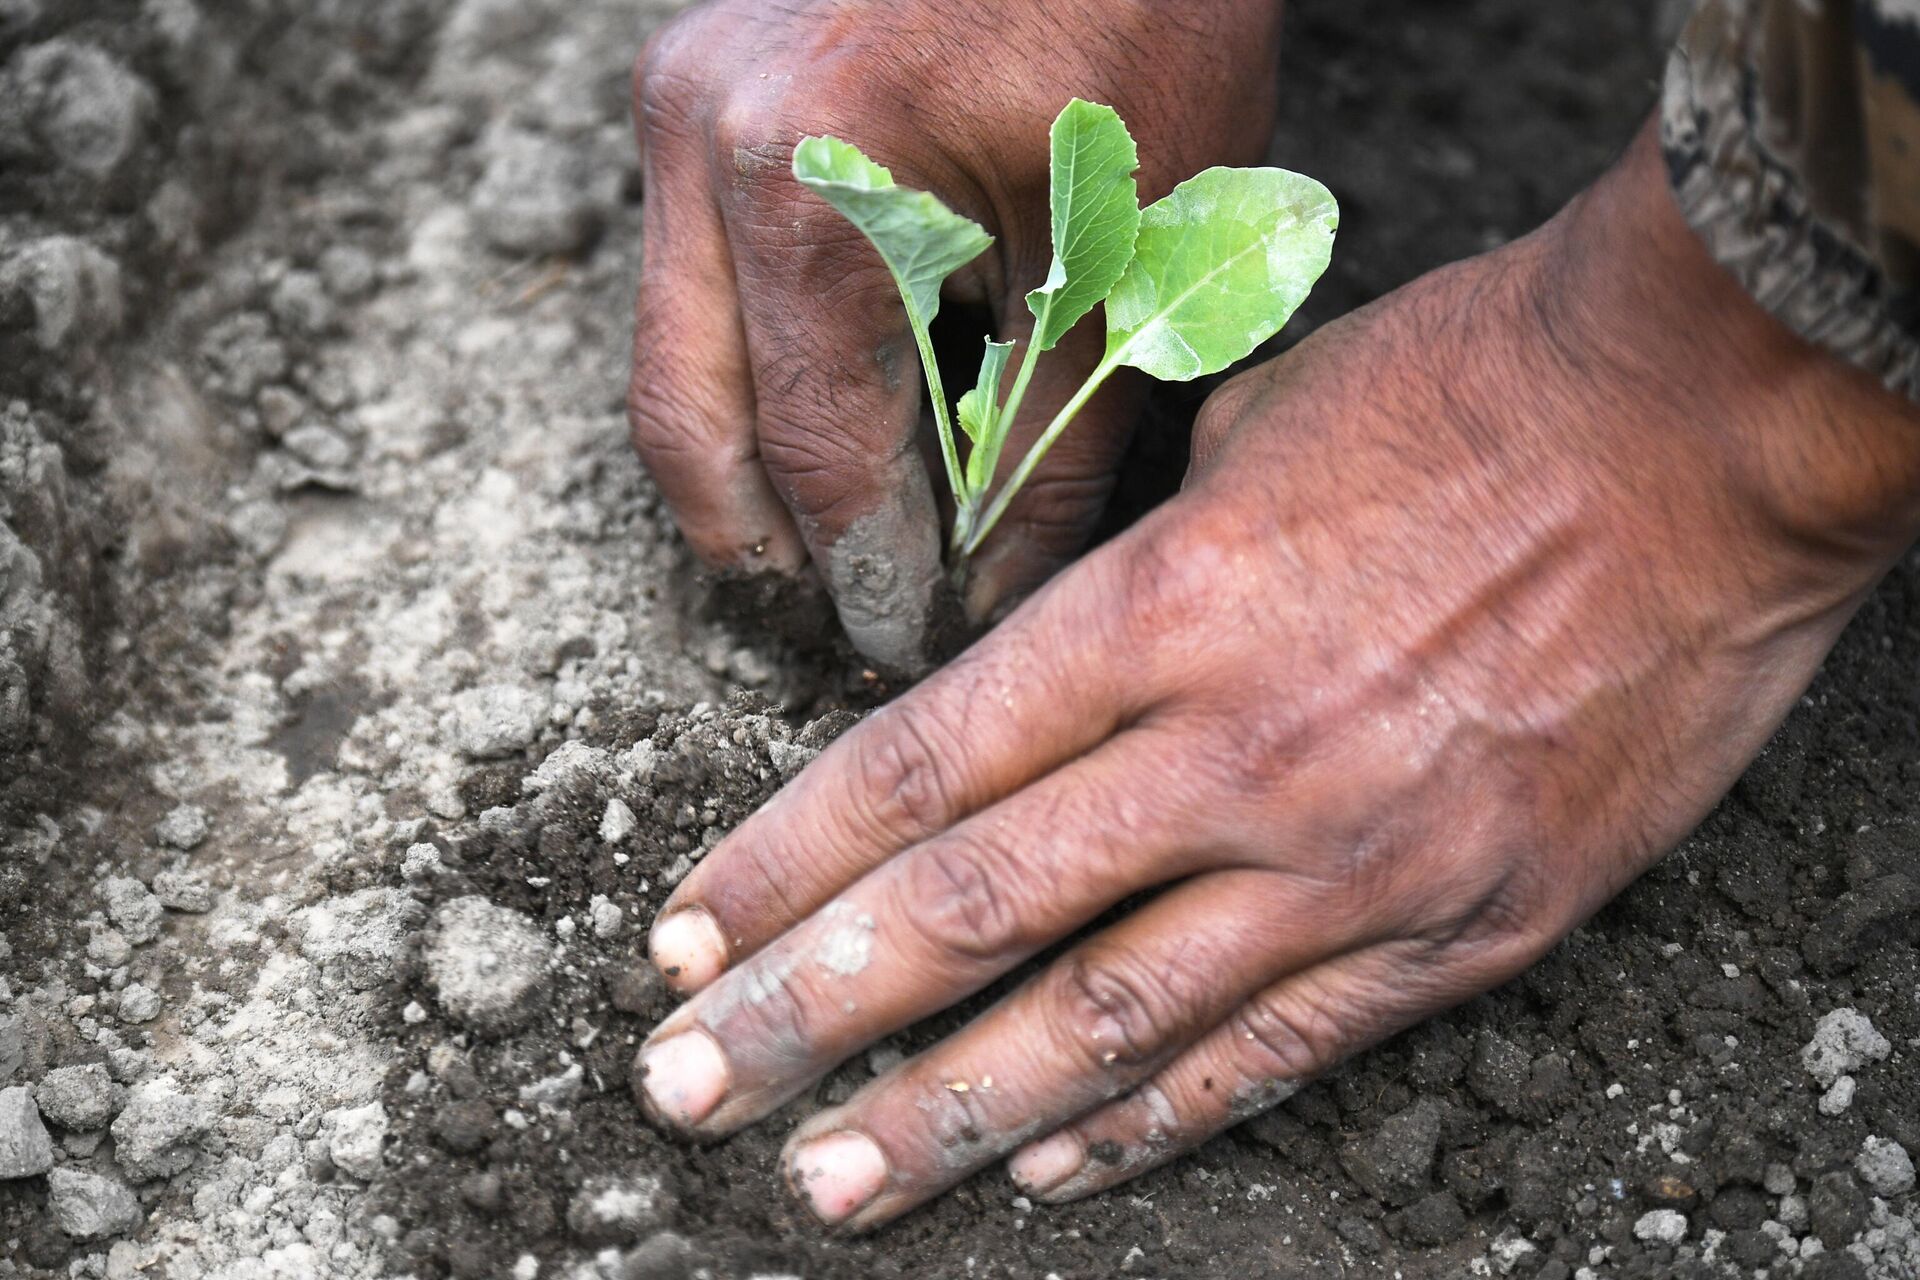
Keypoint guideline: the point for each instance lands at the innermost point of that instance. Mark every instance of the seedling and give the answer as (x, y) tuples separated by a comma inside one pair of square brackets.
[(1191, 283)]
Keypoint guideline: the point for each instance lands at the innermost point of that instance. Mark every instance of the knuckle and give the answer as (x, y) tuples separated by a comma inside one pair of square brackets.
[(962, 901), (667, 82), (796, 446), (1110, 1014), (958, 1120), (756, 128), (767, 882), (747, 134), (665, 421), (905, 774), (794, 243), (1266, 748), (1290, 1039), (670, 44), (1167, 588), (1505, 914), (770, 1013), (1502, 905)]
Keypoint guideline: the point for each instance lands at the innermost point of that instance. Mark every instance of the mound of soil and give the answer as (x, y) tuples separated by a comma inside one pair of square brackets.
[(1643, 1097)]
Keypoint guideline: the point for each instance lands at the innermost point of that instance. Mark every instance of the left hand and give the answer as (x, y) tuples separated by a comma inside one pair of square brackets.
[(1473, 606), (776, 394)]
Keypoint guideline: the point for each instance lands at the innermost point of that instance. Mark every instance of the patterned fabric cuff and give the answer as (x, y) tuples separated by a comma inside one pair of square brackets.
[(1752, 210)]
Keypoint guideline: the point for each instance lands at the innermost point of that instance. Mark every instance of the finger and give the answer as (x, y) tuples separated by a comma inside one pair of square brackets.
[(690, 398), (1032, 696), (838, 391), (1052, 517), (1105, 1016), (920, 933), (1266, 1052)]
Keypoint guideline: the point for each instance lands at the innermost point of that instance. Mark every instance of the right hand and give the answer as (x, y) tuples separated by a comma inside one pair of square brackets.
[(775, 392), (1473, 604)]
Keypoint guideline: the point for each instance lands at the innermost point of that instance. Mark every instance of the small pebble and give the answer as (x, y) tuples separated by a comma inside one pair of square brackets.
[(109, 948), (1884, 1165), (184, 828), (618, 823), (486, 963), (179, 891), (133, 910), (620, 1208), (156, 1133), (1843, 1041), (420, 862), (139, 1003), (359, 1136), (91, 1207), (607, 918), (25, 1149), (1661, 1226)]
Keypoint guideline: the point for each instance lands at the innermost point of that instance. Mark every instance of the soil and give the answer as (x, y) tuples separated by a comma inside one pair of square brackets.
[(330, 598)]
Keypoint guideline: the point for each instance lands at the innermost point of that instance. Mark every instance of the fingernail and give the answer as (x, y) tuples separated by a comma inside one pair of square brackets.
[(1041, 1166), (688, 949), (996, 585), (684, 1077), (983, 591), (838, 1174)]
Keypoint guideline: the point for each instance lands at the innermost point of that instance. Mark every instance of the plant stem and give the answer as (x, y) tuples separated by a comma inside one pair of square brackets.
[(966, 501), (942, 419), (966, 508), (968, 504), (1011, 410), (1025, 470)]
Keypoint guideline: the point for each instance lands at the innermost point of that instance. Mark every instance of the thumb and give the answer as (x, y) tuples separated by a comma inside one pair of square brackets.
[(1049, 521), (837, 405)]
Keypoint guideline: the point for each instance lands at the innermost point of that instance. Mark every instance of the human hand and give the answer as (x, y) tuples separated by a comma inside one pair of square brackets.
[(774, 394), (1473, 605)]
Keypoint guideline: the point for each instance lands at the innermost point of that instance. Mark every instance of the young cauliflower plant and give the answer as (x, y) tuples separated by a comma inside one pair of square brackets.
[(1191, 283)]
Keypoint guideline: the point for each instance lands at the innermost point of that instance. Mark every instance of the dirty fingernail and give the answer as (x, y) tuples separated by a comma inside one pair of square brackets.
[(684, 1077), (688, 949), (1040, 1167), (838, 1174), (984, 590)]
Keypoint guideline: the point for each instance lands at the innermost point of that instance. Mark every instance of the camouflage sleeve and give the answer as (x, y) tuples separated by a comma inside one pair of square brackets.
[(1792, 132)]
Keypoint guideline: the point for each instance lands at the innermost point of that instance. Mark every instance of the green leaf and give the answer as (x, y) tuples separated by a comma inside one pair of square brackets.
[(980, 406), (1096, 213), (1220, 265), (980, 416), (976, 417), (921, 239)]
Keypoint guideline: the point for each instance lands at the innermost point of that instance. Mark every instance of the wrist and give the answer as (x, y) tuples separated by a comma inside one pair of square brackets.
[(1822, 456)]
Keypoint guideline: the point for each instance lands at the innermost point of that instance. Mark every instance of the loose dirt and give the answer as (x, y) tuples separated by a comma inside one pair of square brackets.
[(358, 707)]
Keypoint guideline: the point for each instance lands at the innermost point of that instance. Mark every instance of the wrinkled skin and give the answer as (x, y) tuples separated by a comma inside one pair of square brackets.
[(776, 388), (1472, 606)]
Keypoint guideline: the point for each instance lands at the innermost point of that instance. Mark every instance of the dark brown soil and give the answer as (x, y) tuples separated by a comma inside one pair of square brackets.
[(1694, 992), (1445, 129)]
